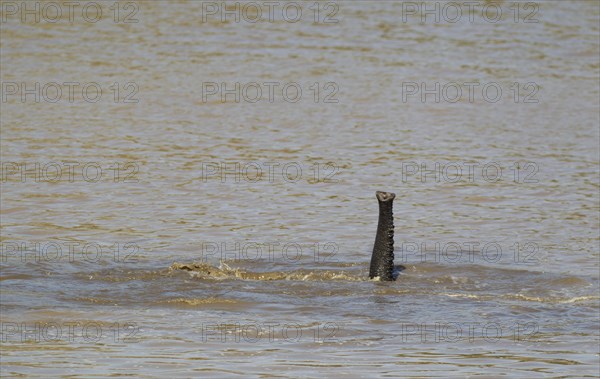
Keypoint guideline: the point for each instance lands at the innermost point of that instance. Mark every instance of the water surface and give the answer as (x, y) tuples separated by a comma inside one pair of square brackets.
[(281, 284)]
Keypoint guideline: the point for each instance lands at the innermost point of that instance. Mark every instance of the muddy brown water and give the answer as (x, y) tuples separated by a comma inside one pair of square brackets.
[(188, 236)]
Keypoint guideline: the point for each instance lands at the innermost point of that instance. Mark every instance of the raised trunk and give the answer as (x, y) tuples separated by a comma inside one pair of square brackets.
[(382, 260)]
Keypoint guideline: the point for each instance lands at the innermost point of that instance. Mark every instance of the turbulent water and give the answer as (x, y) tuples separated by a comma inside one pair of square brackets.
[(188, 189)]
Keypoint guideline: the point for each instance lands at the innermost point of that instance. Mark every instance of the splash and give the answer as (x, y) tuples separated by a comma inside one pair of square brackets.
[(205, 271)]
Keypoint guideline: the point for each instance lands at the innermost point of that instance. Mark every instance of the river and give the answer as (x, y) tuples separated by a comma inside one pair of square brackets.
[(188, 189)]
